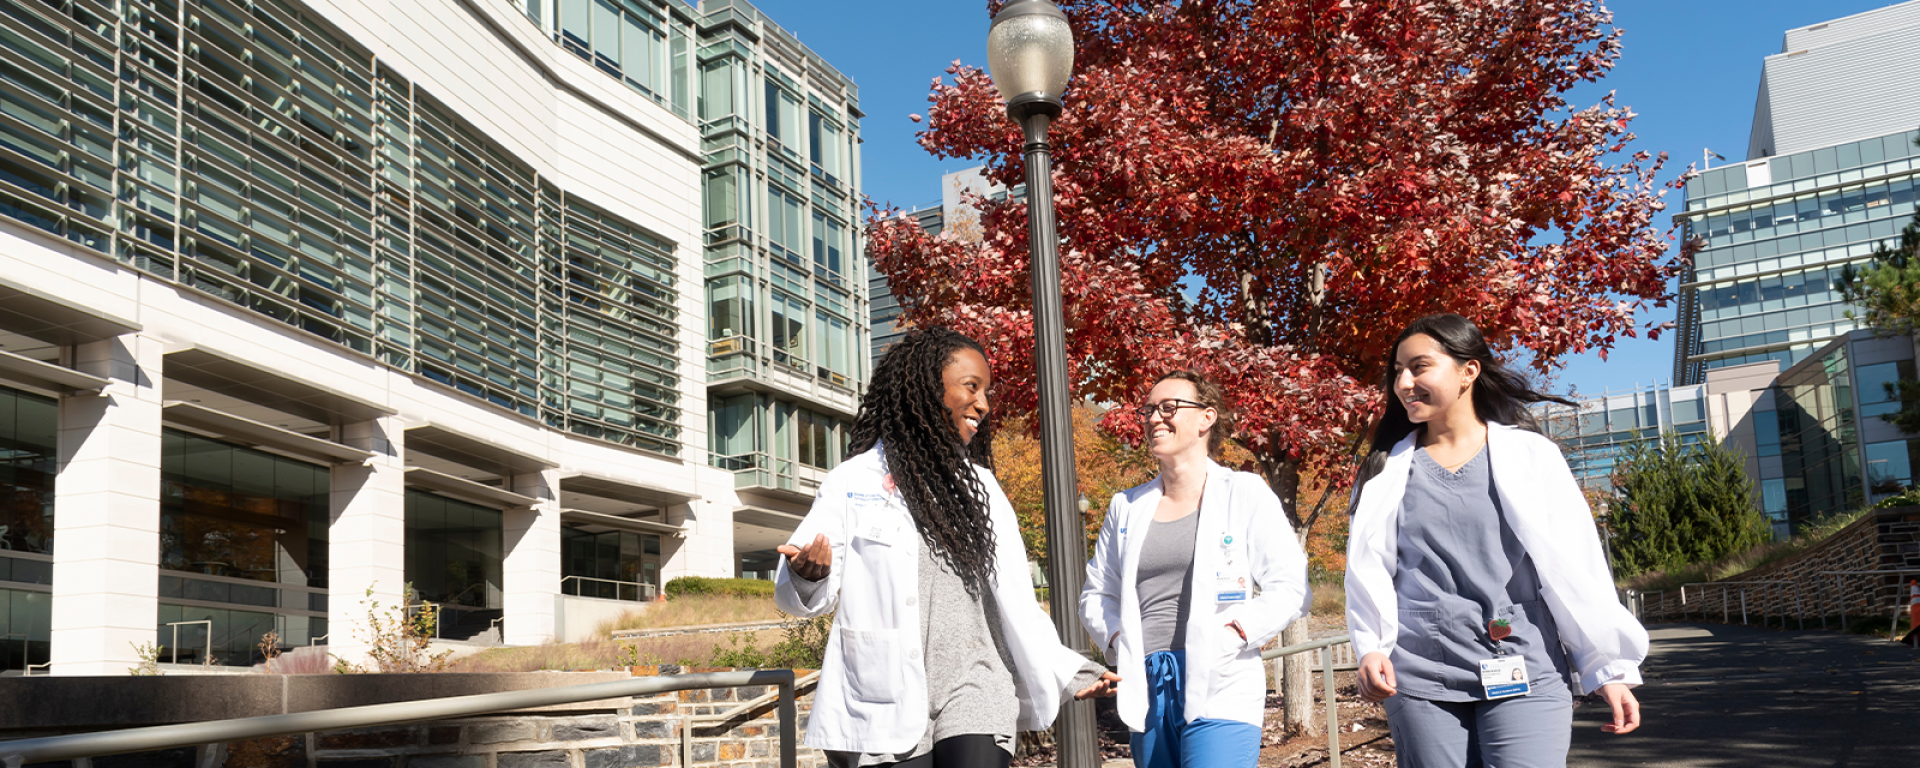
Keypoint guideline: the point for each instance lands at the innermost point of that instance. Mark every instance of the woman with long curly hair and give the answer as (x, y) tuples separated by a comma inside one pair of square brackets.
[(1476, 588), (939, 654)]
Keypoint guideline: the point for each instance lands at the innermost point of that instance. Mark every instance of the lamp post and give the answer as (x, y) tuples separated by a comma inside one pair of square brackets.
[(1030, 53)]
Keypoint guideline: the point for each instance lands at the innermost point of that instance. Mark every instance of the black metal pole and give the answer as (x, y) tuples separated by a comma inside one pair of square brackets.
[(1066, 535)]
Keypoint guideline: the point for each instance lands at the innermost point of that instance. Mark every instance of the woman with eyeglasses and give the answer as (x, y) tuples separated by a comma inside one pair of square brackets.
[(1476, 586), (1193, 572), (939, 653)]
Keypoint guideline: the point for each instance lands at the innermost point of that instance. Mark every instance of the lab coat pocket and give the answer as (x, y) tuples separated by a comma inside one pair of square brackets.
[(874, 664)]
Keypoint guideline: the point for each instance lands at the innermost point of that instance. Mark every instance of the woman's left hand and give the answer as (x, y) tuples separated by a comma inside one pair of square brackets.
[(1626, 708), (1109, 682)]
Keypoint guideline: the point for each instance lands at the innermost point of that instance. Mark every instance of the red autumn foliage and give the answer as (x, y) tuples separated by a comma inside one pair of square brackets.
[(1270, 190)]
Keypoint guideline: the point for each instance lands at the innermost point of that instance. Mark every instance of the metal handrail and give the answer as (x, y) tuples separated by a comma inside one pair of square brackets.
[(175, 647), (1327, 668), (14, 754), (1840, 594), (650, 590), (1726, 605)]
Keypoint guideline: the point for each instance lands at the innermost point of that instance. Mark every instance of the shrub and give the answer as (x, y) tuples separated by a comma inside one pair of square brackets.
[(1680, 504), (805, 647), (701, 585)]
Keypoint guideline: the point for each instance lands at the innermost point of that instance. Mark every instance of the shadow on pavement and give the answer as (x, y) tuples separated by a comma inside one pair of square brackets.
[(1720, 696)]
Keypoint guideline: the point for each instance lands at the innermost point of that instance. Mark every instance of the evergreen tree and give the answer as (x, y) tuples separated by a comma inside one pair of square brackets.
[(1681, 503)]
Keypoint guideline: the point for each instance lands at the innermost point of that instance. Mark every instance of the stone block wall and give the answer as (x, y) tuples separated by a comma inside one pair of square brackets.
[(1800, 585), (637, 732)]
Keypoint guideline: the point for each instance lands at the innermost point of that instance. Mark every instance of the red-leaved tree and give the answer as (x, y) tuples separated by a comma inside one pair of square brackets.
[(1270, 190)]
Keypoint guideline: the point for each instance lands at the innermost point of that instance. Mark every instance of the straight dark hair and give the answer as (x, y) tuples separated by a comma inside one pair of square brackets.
[(1500, 394)]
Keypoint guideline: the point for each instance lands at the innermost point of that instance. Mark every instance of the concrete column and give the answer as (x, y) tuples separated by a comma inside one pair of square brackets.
[(531, 562), (367, 537), (106, 556)]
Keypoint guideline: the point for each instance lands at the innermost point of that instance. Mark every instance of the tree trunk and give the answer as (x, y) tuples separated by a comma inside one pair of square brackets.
[(1296, 683), (1296, 671)]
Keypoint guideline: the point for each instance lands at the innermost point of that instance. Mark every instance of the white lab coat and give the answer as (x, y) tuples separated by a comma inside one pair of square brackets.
[(1547, 512), (872, 696), (1241, 522)]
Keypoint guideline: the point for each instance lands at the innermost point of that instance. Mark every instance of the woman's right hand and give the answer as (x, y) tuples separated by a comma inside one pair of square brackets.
[(1376, 677), (812, 563)]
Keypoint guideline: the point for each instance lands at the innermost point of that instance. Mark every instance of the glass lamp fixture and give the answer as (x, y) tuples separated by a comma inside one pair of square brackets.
[(1030, 55)]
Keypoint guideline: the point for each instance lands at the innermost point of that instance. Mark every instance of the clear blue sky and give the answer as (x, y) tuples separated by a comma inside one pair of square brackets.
[(1690, 68)]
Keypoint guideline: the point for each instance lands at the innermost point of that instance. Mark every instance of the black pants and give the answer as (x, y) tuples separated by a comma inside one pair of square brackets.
[(973, 750)]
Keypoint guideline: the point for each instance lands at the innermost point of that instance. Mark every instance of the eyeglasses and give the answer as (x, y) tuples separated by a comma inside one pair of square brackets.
[(1166, 408)]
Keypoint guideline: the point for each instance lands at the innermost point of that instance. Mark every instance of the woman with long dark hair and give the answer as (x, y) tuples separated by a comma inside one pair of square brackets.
[(1476, 587), (1193, 572), (939, 653)]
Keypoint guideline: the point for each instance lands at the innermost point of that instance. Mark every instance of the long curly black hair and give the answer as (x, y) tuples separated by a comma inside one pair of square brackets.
[(905, 410)]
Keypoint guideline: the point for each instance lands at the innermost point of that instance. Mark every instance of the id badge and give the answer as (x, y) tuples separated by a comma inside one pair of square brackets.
[(1230, 587), (1504, 677)]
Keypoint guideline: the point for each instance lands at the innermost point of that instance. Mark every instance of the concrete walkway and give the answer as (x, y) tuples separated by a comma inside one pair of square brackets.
[(1721, 696)]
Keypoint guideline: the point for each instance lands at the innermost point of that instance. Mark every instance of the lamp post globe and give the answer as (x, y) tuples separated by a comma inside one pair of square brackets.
[(1030, 54)]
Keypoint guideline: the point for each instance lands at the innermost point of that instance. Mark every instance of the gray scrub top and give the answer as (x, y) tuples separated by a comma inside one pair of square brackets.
[(1460, 566)]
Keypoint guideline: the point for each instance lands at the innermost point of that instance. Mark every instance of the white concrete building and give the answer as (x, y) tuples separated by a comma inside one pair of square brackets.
[(312, 300)]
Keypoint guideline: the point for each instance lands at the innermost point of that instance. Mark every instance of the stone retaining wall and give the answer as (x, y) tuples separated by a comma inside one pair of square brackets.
[(1799, 586), (614, 733)]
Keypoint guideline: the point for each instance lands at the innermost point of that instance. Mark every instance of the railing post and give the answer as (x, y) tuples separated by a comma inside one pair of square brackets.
[(1799, 610), (1840, 596), (1743, 606), (1333, 706), (789, 723)]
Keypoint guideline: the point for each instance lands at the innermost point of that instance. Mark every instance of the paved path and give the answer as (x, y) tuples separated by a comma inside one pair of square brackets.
[(1722, 696)]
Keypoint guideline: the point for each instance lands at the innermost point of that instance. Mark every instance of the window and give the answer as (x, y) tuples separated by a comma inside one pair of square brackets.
[(723, 199), (789, 329), (1766, 432), (453, 551), (239, 513), (608, 565), (1879, 386), (29, 464), (828, 236), (823, 145), (784, 222), (1890, 467), (783, 117), (730, 307), (832, 345), (735, 431), (817, 441), (1686, 410)]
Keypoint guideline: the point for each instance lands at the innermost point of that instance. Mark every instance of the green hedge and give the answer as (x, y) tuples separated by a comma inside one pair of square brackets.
[(701, 585)]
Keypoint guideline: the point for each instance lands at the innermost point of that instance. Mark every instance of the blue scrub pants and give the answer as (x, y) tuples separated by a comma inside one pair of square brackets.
[(1170, 741)]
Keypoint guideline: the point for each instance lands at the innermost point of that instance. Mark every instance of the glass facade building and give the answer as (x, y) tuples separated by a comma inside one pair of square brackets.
[(1776, 233), (436, 281), (1596, 432), (1818, 431), (787, 303)]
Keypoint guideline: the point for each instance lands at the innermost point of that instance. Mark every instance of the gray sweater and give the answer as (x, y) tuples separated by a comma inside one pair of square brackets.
[(969, 674)]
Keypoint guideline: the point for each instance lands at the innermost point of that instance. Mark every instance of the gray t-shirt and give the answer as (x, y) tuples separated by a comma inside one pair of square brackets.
[(1165, 583), (1461, 566)]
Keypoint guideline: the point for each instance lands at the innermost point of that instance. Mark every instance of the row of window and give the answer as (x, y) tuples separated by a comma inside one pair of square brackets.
[(1811, 333), (752, 431), (1804, 213), (320, 189), (1816, 167)]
